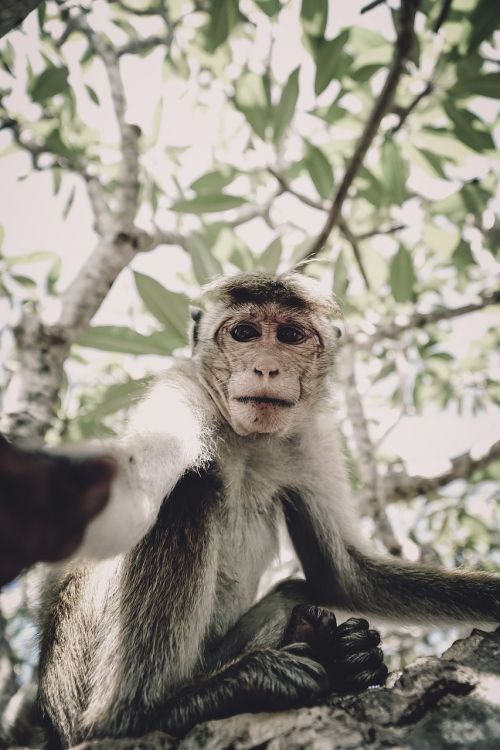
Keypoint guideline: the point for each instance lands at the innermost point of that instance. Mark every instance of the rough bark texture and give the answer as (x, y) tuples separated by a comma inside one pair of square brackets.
[(452, 703)]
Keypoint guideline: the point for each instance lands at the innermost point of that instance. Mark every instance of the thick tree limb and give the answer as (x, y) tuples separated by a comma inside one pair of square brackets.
[(402, 486), (402, 50)]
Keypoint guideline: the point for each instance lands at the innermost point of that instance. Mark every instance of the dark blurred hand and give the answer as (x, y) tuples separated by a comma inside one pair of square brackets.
[(46, 501)]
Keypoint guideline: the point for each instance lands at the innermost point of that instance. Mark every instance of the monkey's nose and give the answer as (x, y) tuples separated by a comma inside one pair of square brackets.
[(266, 372)]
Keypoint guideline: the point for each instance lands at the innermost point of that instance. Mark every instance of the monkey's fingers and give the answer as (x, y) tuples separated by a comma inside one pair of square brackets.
[(365, 679), (310, 624)]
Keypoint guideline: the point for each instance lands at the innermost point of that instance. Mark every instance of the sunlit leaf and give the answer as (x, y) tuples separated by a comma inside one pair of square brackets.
[(340, 277), (213, 181), (205, 266), (206, 203), (314, 17), (270, 7), (118, 396), (170, 308), (251, 100), (484, 21), (92, 94), (320, 170), (328, 60), (394, 171), (481, 85), (224, 15), (402, 276), (52, 81), (469, 128), (127, 341), (286, 107), (269, 259)]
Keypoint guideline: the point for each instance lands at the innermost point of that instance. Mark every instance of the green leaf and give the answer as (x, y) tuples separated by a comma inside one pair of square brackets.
[(394, 171), (481, 85), (270, 7), (462, 255), (170, 308), (340, 276), (484, 21), (269, 259), (206, 203), (92, 94), (402, 276), (285, 109), (314, 17), (56, 145), (205, 266), (52, 81), (328, 59), (36, 257), (432, 162), (118, 396), (320, 171), (469, 128), (69, 203), (125, 340), (41, 11), (215, 181), (224, 15), (24, 280), (251, 100)]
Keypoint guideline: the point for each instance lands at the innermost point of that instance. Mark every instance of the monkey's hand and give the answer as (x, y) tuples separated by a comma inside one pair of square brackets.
[(349, 652), (46, 502)]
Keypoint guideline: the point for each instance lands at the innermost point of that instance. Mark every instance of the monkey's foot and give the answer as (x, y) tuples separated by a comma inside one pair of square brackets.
[(349, 652)]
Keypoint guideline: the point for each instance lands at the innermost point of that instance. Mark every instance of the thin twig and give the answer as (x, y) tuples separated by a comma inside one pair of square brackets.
[(353, 241), (372, 5), (445, 9), (402, 50), (404, 114), (393, 331)]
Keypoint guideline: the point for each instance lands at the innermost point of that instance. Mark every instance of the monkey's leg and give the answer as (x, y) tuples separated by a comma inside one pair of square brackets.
[(264, 680), (349, 652), (301, 654)]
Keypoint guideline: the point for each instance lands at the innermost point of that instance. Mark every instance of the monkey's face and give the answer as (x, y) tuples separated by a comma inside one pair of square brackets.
[(264, 365)]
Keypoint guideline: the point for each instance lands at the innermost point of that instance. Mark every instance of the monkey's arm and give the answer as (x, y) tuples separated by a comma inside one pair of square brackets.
[(340, 566), (345, 574), (167, 435)]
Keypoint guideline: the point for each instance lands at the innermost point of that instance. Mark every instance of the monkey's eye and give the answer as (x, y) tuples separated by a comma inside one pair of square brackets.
[(290, 335), (244, 332)]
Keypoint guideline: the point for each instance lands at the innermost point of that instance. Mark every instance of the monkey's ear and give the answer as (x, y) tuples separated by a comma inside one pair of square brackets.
[(338, 328), (196, 314)]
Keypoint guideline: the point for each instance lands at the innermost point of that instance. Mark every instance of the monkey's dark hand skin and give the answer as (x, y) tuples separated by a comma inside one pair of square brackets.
[(46, 501), (349, 652)]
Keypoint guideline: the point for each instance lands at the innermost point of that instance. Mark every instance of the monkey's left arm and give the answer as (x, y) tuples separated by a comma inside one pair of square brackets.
[(343, 571)]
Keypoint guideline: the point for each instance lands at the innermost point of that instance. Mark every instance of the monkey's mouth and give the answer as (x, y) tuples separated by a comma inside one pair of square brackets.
[(261, 400)]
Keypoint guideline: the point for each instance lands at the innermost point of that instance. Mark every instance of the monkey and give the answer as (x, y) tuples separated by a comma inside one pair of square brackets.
[(154, 624)]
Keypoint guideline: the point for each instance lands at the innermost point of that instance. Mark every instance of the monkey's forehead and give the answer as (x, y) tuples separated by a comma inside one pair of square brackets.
[(291, 291)]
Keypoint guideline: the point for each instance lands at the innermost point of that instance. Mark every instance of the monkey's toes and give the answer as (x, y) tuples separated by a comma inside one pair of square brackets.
[(357, 662), (312, 625)]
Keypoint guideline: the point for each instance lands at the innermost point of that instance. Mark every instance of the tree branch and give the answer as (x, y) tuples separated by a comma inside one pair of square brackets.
[(372, 494), (401, 486), (402, 50), (422, 320), (406, 112), (353, 241)]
